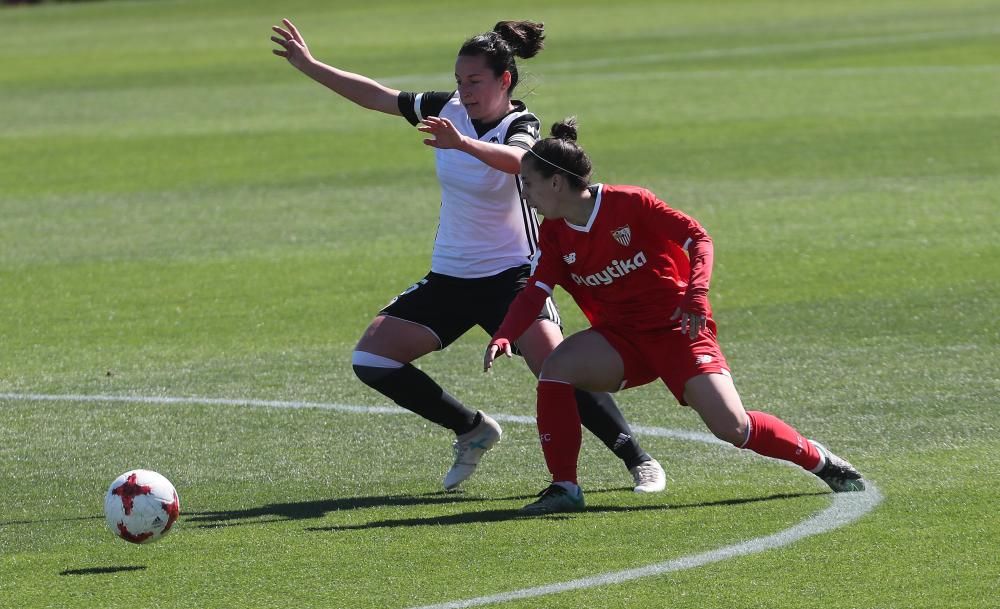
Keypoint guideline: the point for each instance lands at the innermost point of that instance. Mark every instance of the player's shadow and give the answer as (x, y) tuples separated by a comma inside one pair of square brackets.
[(101, 570), (512, 514), (10, 523), (303, 510)]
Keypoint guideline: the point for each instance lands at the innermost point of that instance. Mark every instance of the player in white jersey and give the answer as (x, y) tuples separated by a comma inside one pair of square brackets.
[(483, 248)]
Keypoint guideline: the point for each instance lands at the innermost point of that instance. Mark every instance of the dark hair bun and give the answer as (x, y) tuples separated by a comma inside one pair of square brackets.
[(565, 129), (524, 37)]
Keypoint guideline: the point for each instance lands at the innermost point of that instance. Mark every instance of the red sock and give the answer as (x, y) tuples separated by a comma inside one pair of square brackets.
[(559, 429), (772, 437)]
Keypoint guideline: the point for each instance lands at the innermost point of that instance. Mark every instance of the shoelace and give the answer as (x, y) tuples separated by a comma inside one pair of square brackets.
[(552, 489), (839, 470), (459, 448), (647, 473)]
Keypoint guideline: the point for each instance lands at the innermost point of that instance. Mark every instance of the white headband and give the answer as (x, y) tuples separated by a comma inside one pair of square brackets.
[(543, 159)]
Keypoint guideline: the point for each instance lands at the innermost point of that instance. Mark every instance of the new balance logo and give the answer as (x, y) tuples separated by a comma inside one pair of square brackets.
[(703, 359), (570, 258), (615, 270)]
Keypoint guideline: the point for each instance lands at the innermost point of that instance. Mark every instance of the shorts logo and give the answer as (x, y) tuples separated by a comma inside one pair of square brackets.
[(703, 359), (570, 258), (622, 235), (408, 290)]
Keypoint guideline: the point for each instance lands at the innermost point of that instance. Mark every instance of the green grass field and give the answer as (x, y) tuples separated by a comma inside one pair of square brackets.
[(182, 215)]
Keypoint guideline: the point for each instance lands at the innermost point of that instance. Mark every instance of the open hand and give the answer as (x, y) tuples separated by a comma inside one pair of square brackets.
[(444, 132), (293, 46), (691, 323), (496, 346)]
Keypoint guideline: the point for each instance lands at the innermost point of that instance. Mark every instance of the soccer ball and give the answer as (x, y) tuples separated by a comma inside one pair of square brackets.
[(141, 506)]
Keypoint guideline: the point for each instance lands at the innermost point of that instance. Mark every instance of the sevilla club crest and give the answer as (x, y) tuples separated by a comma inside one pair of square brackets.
[(622, 235)]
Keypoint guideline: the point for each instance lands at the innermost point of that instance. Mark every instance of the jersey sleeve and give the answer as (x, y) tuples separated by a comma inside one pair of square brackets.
[(547, 267), (523, 131), (415, 106), (687, 233), (546, 272), (521, 313)]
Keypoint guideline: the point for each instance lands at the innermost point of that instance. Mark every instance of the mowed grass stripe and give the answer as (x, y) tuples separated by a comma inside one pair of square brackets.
[(182, 214)]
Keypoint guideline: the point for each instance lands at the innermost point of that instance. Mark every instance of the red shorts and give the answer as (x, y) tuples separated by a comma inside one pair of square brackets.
[(669, 355)]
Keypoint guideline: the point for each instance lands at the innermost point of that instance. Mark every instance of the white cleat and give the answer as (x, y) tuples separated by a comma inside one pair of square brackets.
[(469, 449), (649, 477)]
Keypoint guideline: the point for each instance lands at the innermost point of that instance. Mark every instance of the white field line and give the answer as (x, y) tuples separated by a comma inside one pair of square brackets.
[(662, 432), (139, 399), (765, 49), (844, 509)]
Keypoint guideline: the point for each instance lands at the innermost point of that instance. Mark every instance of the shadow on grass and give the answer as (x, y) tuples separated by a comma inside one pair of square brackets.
[(277, 512), (9, 523), (513, 514), (100, 570)]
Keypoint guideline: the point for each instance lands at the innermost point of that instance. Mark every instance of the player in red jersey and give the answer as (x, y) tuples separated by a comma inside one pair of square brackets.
[(640, 272)]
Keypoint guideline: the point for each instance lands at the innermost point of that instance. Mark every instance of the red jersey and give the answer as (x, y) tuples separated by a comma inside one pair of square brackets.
[(629, 267)]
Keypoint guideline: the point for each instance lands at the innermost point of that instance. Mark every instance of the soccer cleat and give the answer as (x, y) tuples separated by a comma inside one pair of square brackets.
[(553, 500), (838, 474), (649, 477), (469, 449)]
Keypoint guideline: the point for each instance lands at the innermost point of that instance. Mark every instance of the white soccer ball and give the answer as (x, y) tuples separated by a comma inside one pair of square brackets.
[(141, 506)]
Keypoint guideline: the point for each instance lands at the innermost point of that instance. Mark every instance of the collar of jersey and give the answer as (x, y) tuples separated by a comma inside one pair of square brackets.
[(484, 128), (593, 214)]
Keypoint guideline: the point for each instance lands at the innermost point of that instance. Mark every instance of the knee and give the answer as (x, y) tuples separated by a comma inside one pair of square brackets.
[(370, 375), (371, 369), (554, 369), (737, 436), (732, 432)]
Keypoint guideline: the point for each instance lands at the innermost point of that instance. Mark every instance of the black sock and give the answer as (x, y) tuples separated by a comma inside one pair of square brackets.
[(601, 416), (415, 391)]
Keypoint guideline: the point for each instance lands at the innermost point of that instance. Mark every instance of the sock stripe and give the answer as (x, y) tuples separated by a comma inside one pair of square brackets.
[(746, 440), (364, 358)]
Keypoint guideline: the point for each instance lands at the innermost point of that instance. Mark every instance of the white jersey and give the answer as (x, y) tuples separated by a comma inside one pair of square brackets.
[(485, 227)]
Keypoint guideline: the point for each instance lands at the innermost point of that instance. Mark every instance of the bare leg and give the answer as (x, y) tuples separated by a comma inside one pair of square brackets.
[(716, 400), (397, 339)]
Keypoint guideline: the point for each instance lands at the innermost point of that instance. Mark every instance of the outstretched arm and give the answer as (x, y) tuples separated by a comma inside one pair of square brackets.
[(359, 89), (504, 157)]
